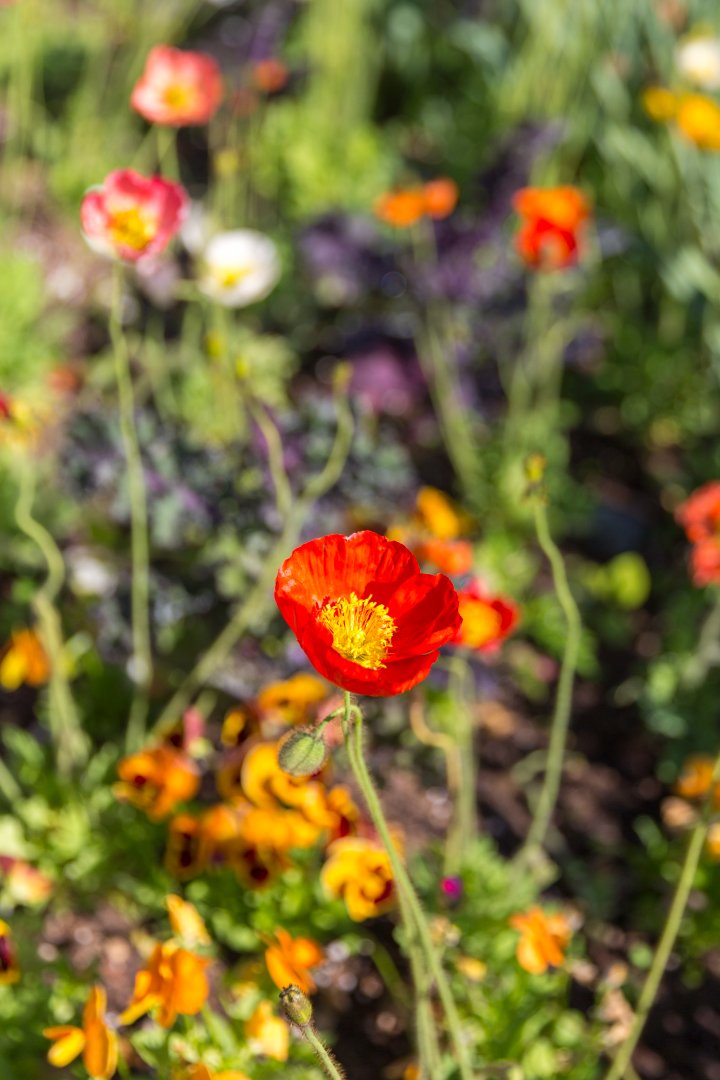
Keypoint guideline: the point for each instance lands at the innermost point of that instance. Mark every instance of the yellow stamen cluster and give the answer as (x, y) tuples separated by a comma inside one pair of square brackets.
[(361, 629), (177, 96), (129, 228), (228, 278)]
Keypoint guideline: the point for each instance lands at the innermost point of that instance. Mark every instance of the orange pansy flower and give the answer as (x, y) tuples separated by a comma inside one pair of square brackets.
[(269, 1035), (359, 871), (156, 780), (289, 959), (97, 1043), (292, 700), (174, 982), (9, 969), (24, 661), (543, 940)]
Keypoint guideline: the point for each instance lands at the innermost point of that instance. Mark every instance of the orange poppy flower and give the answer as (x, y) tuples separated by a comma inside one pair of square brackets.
[(268, 1034), (402, 208), (695, 779), (367, 618), (97, 1043), (486, 620), (178, 87), (270, 75), (441, 197), (439, 514), (551, 221), (9, 970), (289, 959), (24, 661), (698, 120), (174, 983), (292, 700), (543, 941), (156, 780), (359, 871), (450, 556), (131, 216)]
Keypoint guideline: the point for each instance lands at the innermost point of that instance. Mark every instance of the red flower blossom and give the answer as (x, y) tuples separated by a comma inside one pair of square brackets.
[(486, 620), (365, 615), (699, 515), (132, 216), (178, 87), (552, 217)]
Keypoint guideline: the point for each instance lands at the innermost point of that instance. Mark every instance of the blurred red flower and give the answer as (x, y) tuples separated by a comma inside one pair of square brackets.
[(369, 621), (132, 216), (178, 87), (486, 620), (699, 516), (548, 237)]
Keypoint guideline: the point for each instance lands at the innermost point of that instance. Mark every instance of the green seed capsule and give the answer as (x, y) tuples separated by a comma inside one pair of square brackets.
[(302, 753), (296, 1006)]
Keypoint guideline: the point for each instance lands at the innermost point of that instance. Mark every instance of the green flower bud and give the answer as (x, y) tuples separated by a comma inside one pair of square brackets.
[(302, 753), (296, 1006)]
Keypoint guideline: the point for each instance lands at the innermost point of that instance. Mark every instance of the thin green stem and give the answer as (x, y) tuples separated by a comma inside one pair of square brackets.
[(465, 825), (139, 538), (563, 700), (669, 933), (326, 1059), (167, 152), (70, 742), (353, 735), (273, 442)]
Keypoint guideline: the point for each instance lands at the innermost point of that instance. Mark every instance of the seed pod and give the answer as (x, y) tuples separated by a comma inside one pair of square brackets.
[(302, 753), (296, 1006)]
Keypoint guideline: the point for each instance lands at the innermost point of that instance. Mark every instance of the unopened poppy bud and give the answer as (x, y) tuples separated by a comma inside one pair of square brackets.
[(296, 1006), (302, 753), (535, 468)]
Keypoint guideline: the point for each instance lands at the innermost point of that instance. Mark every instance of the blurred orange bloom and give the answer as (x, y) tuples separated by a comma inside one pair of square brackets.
[(24, 661), (552, 218), (660, 103), (699, 515), (486, 620), (184, 852), (9, 970), (543, 941), (359, 871), (25, 883), (266, 785), (269, 1035), (174, 982), (289, 959), (438, 514), (178, 87), (219, 828), (713, 841), (156, 780), (450, 556), (97, 1043), (239, 724), (201, 1072), (278, 829), (270, 75), (342, 815), (696, 777), (441, 197), (293, 699), (698, 120), (401, 208), (187, 924)]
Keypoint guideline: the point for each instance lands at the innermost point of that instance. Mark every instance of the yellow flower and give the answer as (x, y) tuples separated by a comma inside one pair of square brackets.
[(174, 982), (9, 970), (94, 1040), (660, 103), (289, 959), (543, 941), (439, 515), (268, 1034), (359, 871), (265, 784), (24, 661), (292, 700), (185, 921), (698, 119), (238, 725)]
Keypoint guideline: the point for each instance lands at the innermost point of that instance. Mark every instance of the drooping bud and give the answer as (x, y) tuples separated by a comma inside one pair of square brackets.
[(296, 1006), (302, 752)]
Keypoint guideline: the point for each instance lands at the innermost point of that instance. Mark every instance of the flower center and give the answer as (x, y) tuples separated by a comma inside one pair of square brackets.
[(227, 278), (361, 629), (177, 96), (131, 229), (481, 623)]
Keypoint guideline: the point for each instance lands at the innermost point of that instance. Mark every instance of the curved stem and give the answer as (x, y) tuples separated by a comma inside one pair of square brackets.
[(139, 539), (353, 734), (563, 700), (669, 933), (330, 1066)]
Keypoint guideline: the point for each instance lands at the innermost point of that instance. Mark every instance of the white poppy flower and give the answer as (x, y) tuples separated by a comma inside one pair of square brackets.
[(239, 268), (698, 61)]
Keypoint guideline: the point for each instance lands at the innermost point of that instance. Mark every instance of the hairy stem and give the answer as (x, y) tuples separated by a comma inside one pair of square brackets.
[(326, 1059)]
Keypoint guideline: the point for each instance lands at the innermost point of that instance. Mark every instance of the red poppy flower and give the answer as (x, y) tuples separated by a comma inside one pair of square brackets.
[(178, 87), (363, 612), (552, 217), (132, 216), (486, 620), (699, 515)]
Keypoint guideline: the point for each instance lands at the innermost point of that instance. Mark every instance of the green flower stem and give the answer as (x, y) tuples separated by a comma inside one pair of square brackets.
[(260, 600), (327, 1061), (563, 700), (167, 152), (273, 442), (465, 826), (139, 539), (670, 931), (406, 890), (70, 742)]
